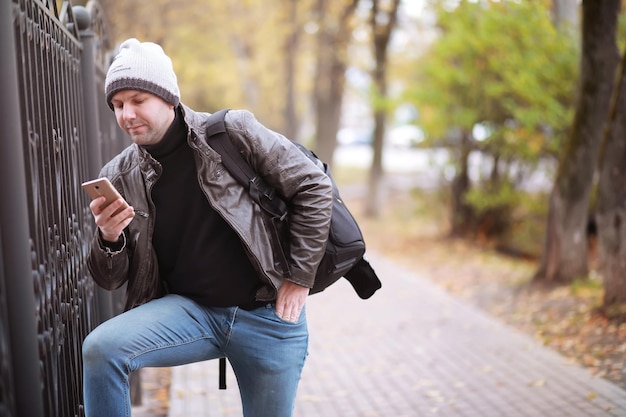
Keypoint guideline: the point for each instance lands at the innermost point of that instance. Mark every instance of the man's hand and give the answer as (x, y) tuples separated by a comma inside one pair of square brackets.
[(290, 300), (110, 226)]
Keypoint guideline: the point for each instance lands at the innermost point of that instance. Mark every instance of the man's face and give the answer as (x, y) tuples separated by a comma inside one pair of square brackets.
[(143, 116)]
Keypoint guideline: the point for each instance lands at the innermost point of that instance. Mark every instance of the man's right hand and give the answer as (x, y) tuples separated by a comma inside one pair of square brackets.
[(110, 226)]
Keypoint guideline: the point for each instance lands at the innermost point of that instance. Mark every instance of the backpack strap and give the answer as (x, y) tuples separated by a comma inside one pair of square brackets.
[(222, 375), (264, 195), (233, 160)]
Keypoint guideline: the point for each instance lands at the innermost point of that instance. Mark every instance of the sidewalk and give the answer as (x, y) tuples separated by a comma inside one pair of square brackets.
[(413, 350)]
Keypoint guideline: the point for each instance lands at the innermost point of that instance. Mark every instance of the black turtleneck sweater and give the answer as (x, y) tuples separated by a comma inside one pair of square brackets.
[(199, 255)]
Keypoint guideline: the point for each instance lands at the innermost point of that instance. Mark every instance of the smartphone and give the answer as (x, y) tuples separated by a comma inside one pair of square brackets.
[(103, 187)]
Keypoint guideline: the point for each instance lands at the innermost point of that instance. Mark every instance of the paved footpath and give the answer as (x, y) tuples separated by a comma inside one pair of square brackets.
[(413, 350)]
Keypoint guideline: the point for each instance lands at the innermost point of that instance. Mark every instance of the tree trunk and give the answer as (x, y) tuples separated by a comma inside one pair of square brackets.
[(565, 254), (374, 192), (611, 210), (290, 119), (332, 43), (462, 214), (381, 33)]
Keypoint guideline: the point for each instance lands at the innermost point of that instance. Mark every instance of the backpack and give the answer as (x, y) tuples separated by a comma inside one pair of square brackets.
[(345, 247)]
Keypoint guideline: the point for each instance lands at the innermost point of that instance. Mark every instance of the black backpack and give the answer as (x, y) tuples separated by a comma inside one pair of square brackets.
[(345, 247)]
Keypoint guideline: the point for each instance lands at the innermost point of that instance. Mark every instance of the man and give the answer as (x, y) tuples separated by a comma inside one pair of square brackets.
[(194, 248)]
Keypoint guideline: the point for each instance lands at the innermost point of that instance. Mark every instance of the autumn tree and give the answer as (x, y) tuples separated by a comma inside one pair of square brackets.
[(611, 206), (382, 21), (334, 32), (565, 254), (501, 66), (291, 45)]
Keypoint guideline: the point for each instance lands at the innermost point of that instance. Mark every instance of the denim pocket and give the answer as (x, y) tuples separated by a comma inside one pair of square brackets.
[(300, 319)]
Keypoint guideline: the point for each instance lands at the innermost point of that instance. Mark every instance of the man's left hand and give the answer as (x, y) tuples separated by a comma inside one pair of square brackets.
[(290, 300)]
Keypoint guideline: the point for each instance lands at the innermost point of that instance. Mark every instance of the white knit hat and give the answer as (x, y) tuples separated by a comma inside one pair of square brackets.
[(142, 66)]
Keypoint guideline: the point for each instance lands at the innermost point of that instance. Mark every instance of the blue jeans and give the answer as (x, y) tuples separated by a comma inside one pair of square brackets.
[(266, 353)]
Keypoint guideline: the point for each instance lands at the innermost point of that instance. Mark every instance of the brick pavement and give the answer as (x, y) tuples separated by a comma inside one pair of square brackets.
[(413, 350)]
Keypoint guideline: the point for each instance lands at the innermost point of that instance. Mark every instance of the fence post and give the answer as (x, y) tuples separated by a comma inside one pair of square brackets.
[(83, 18), (92, 122), (15, 235)]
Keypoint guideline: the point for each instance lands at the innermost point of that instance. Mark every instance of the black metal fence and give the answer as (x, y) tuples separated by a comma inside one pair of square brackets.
[(55, 132)]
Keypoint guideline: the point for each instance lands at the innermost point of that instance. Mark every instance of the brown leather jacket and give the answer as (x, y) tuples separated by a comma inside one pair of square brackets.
[(134, 172)]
